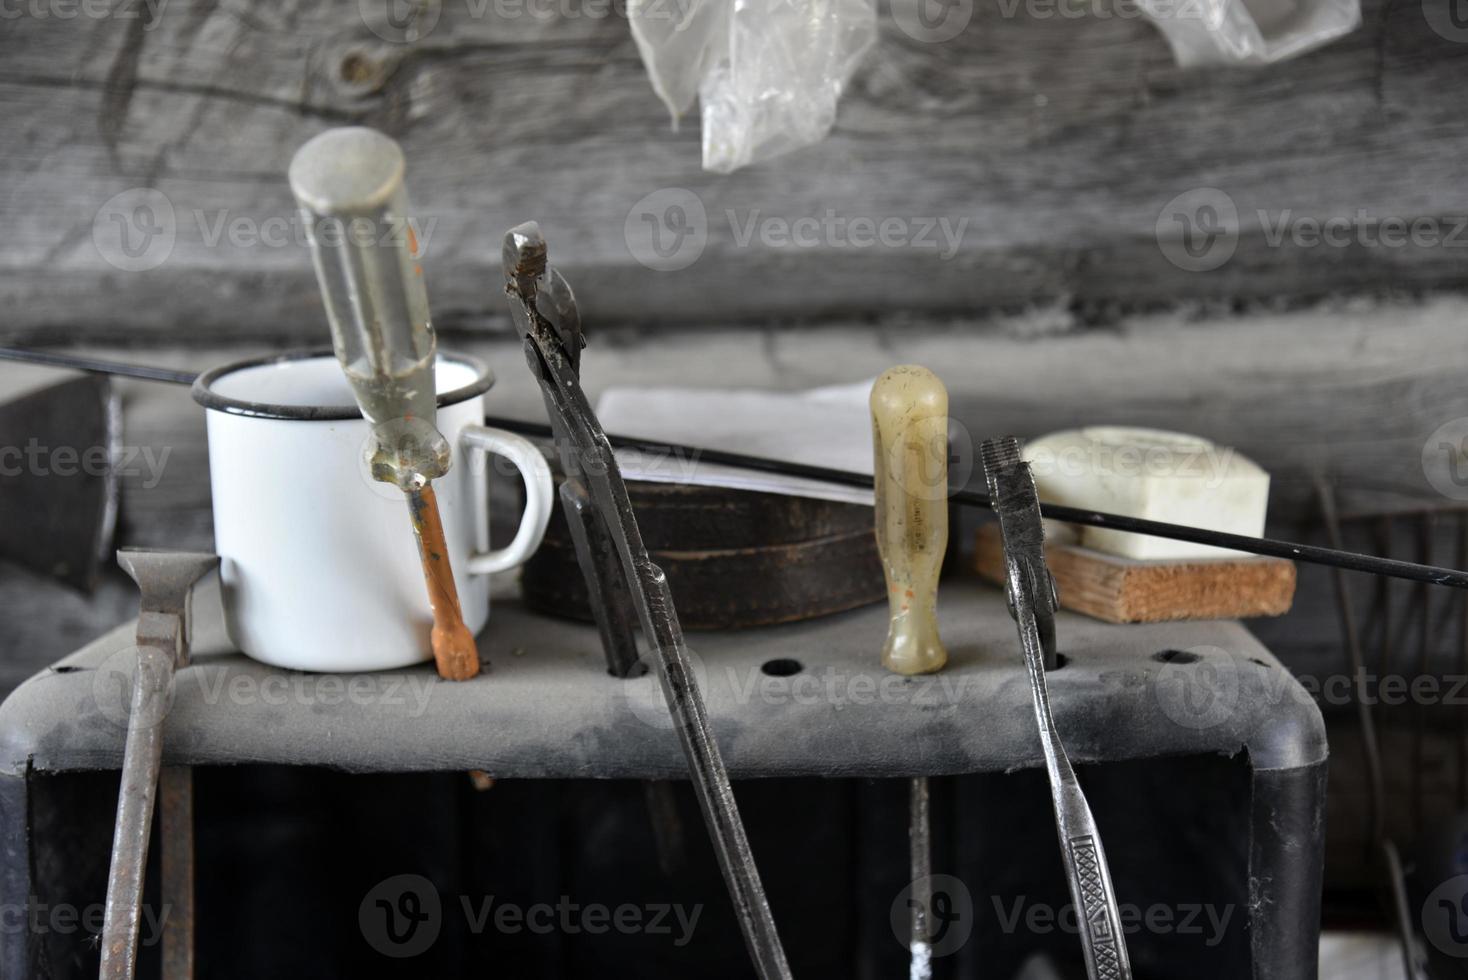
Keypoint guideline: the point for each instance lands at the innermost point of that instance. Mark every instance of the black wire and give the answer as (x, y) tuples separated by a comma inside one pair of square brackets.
[(96, 366), (1271, 547), (1313, 554)]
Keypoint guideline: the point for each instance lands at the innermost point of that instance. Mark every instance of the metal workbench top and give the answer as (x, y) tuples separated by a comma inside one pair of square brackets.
[(804, 699)]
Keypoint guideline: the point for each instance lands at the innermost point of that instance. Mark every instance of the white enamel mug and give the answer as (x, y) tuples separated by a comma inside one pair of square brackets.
[(319, 565)]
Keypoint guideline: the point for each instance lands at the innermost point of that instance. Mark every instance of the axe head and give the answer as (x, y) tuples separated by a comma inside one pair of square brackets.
[(58, 486)]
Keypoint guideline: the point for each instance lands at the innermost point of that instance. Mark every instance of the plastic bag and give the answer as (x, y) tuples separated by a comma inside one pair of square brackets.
[(1249, 32), (767, 73)]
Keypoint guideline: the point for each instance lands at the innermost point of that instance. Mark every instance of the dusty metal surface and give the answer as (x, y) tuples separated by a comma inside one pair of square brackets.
[(547, 707)]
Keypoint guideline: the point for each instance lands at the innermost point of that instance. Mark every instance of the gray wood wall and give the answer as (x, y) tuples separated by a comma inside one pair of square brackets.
[(1057, 144)]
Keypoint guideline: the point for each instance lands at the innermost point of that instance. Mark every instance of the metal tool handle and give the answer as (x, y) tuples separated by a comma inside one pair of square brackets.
[(1031, 601), (910, 474), (348, 183), (544, 311), (165, 579), (142, 757), (1087, 873), (648, 588)]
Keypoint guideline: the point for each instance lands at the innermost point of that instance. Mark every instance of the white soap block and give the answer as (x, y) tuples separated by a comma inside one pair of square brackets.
[(1152, 474)]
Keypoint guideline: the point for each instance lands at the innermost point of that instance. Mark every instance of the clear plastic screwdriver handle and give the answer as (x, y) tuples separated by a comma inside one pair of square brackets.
[(348, 184)]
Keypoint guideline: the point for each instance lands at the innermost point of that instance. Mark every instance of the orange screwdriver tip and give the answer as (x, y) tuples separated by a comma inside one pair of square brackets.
[(454, 651)]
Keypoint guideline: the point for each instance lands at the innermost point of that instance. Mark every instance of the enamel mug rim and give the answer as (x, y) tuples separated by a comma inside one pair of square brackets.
[(203, 389)]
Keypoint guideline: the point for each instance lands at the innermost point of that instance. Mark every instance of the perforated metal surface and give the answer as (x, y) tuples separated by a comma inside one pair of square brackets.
[(807, 699)]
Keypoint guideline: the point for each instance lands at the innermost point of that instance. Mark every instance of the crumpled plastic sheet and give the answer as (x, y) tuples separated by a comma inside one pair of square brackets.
[(769, 73), (1248, 32)]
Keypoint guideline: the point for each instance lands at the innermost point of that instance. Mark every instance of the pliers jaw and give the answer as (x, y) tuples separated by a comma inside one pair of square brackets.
[(540, 297), (1031, 588)]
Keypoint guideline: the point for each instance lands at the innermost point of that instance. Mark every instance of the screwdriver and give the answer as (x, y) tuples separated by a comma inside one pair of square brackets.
[(348, 183), (909, 408)]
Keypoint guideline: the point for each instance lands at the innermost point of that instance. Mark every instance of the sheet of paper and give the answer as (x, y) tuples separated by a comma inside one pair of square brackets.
[(828, 427)]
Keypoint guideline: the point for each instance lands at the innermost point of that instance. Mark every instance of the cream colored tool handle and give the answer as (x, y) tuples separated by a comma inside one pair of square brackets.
[(910, 443)]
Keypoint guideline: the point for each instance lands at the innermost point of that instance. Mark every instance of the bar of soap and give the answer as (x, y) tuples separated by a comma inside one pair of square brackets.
[(1152, 474)]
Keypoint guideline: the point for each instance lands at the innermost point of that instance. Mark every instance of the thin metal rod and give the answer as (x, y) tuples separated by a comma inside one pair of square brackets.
[(1270, 547), (1462, 767), (1380, 842), (920, 857), (1425, 525), (176, 835), (142, 757), (1376, 819), (1401, 912), (97, 366), (1382, 536)]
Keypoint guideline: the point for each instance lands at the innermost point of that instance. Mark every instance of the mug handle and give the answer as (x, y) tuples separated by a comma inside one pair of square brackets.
[(538, 495)]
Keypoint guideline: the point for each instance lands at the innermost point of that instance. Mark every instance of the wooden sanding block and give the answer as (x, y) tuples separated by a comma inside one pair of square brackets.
[(1129, 590)]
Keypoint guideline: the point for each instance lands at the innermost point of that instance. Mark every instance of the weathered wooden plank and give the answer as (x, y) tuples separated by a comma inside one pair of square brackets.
[(1126, 590), (1051, 146)]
